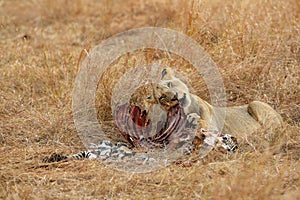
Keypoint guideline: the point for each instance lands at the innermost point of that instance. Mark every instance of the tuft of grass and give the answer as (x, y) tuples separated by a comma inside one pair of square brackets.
[(255, 44)]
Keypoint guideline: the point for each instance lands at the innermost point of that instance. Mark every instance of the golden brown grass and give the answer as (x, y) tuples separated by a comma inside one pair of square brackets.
[(256, 44)]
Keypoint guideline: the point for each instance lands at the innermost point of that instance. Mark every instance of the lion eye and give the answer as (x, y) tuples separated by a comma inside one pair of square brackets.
[(169, 84), (163, 73), (148, 97)]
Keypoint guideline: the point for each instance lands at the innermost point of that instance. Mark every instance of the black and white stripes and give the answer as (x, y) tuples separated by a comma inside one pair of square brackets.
[(105, 150), (83, 154)]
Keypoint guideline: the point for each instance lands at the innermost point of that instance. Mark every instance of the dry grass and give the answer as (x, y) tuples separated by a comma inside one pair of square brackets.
[(256, 44)]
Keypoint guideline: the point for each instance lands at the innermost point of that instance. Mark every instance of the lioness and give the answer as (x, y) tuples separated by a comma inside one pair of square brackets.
[(239, 120)]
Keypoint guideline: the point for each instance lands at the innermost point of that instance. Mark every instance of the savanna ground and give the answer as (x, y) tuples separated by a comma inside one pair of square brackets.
[(256, 45)]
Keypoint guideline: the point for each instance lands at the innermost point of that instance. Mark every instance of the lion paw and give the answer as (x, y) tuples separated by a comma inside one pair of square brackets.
[(192, 120)]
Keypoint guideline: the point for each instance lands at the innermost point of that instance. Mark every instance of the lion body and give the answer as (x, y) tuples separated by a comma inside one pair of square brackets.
[(239, 120)]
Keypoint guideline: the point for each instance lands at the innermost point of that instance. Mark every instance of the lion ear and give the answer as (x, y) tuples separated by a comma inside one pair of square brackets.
[(163, 73)]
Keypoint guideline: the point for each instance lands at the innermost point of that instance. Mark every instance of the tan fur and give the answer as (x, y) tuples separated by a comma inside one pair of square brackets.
[(144, 97), (148, 98), (152, 94)]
